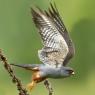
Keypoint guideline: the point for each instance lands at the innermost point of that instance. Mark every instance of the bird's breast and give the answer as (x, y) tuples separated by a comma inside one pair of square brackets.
[(50, 72)]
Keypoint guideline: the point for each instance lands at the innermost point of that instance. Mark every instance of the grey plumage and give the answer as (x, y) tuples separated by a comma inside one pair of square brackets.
[(47, 71), (57, 48)]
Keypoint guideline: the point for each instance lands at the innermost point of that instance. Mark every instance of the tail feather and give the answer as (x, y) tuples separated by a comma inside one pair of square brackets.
[(26, 66)]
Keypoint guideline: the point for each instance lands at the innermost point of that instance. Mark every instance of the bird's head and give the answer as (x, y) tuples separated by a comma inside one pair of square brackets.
[(67, 71)]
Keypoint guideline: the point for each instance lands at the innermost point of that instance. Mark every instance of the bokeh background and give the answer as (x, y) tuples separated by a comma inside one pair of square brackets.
[(20, 41)]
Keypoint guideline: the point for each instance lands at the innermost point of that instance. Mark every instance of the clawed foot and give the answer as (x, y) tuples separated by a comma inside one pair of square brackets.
[(31, 85)]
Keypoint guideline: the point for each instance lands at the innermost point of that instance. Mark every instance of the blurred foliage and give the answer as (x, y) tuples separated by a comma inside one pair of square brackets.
[(20, 41)]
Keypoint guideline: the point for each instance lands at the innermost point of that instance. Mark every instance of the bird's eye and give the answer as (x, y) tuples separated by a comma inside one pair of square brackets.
[(70, 71)]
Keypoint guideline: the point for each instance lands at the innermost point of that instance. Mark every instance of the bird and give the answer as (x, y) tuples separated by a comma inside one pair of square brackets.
[(57, 49)]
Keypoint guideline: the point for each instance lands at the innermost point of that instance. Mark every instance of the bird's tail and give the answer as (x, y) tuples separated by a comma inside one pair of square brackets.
[(27, 66)]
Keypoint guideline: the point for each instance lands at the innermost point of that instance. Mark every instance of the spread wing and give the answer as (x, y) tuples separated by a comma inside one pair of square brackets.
[(55, 38), (54, 14)]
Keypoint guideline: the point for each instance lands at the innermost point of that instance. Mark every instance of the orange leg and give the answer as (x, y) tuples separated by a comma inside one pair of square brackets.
[(31, 85), (36, 78)]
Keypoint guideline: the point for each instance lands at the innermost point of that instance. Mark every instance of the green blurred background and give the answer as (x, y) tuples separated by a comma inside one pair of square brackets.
[(20, 41)]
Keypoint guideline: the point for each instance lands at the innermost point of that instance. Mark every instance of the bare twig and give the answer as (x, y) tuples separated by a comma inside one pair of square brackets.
[(21, 89), (48, 86)]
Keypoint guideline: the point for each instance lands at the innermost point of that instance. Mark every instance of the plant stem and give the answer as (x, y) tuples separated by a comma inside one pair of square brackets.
[(48, 86), (20, 88)]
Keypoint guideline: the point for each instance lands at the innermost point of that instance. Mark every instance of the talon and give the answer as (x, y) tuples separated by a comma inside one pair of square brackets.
[(31, 85)]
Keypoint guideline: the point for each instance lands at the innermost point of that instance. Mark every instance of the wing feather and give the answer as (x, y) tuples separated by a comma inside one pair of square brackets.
[(55, 16), (52, 31)]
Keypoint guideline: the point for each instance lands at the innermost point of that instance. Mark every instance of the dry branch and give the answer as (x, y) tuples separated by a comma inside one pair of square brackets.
[(48, 86), (20, 88)]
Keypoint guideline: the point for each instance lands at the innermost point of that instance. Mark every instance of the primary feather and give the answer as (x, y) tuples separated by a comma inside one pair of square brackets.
[(54, 36)]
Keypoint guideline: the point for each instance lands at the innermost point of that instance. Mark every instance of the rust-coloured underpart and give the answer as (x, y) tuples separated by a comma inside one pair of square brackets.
[(36, 78)]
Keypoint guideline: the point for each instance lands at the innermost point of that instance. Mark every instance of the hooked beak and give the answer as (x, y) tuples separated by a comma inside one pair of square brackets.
[(73, 73)]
